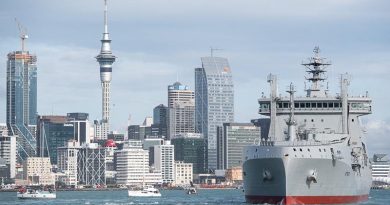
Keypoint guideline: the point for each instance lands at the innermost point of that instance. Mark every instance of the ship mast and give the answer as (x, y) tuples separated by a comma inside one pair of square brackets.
[(316, 68), (291, 123)]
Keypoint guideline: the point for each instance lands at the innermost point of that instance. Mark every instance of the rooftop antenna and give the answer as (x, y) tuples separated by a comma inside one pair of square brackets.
[(22, 33), (214, 49)]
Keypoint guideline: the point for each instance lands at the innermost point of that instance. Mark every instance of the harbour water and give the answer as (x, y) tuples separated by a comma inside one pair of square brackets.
[(217, 196)]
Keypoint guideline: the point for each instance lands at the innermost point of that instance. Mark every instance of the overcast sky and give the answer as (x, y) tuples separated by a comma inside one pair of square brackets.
[(157, 41)]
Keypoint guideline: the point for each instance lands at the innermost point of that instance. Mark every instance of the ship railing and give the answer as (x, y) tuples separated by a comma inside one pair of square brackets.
[(294, 143)]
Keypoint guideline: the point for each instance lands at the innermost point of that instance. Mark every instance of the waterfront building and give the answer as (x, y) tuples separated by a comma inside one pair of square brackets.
[(183, 173), (67, 162), (164, 159), (380, 170), (380, 165), (8, 150), (234, 174), (22, 100), (191, 148), (132, 166), (105, 59), (110, 147), (91, 162), (53, 131), (37, 171), (231, 140), (214, 101)]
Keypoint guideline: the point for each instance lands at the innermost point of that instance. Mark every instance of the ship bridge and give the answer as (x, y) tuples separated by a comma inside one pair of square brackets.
[(360, 105)]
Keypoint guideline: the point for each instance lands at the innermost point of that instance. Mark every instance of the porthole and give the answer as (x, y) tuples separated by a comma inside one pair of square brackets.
[(312, 120)]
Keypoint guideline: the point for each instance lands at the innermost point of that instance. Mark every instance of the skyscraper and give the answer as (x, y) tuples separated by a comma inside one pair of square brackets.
[(22, 100), (214, 101), (105, 59), (181, 102)]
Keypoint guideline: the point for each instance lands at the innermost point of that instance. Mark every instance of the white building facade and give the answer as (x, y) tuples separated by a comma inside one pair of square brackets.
[(132, 166), (164, 160), (37, 171), (67, 162), (183, 173)]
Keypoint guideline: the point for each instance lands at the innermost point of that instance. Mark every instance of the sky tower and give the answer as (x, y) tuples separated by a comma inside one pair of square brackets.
[(105, 59)]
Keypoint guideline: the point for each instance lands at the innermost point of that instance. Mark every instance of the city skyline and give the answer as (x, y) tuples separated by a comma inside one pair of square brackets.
[(152, 51)]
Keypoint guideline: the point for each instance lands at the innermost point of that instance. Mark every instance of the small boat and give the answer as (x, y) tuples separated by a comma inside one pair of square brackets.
[(191, 190), (35, 193), (147, 191)]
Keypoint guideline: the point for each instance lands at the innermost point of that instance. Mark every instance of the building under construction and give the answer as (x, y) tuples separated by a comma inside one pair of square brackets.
[(22, 98), (91, 165)]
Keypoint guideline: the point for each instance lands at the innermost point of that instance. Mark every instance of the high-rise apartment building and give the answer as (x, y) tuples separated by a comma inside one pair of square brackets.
[(181, 101), (214, 101), (22, 100), (231, 140), (105, 59), (164, 159)]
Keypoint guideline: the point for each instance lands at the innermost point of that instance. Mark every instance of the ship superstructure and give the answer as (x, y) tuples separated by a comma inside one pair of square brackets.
[(314, 152)]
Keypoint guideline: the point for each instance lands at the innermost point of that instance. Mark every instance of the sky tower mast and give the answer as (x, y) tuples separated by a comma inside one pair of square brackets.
[(105, 59)]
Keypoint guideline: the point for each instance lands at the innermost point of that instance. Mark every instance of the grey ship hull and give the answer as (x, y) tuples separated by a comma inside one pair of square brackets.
[(335, 181)]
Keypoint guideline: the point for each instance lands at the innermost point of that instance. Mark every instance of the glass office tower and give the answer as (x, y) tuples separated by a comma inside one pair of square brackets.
[(214, 101)]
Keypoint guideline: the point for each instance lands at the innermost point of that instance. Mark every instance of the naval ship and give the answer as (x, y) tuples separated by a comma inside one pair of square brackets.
[(314, 152)]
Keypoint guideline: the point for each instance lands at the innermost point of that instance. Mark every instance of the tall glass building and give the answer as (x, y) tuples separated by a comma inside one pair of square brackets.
[(214, 101), (22, 100)]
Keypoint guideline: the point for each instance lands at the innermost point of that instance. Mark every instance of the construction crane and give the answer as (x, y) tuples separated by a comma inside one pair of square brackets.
[(22, 33)]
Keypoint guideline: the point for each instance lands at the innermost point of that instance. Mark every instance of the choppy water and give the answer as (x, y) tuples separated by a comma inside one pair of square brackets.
[(206, 197)]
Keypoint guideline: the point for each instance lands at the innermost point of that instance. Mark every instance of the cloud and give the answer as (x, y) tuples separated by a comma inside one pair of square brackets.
[(377, 136)]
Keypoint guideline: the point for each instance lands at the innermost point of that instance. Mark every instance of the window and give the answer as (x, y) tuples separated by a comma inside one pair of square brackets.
[(319, 105), (330, 105), (302, 105), (313, 105)]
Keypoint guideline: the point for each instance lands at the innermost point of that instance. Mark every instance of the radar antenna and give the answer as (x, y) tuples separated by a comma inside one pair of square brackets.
[(316, 68)]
